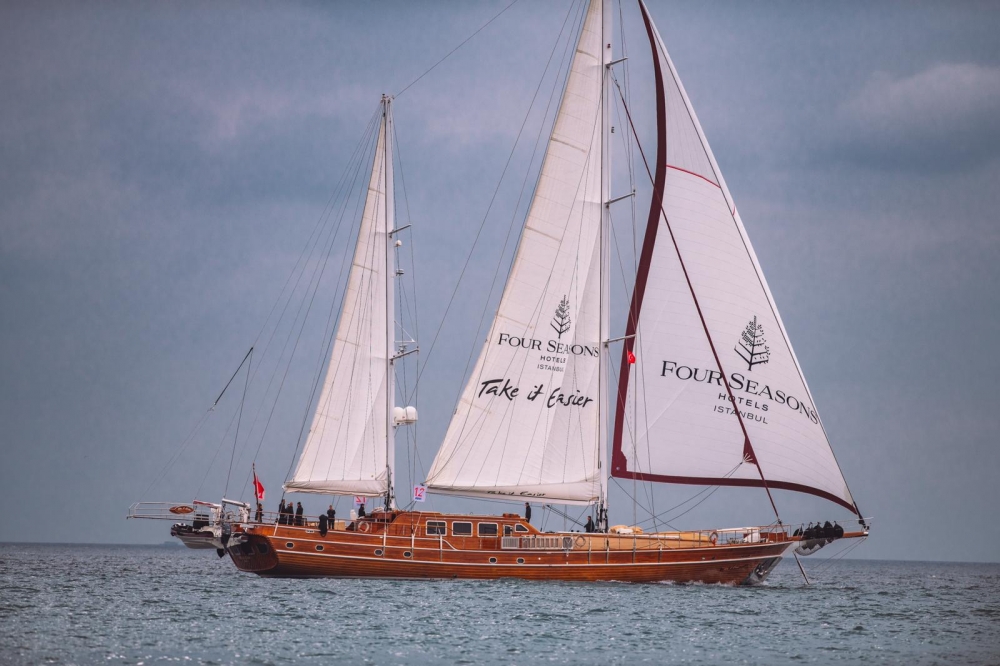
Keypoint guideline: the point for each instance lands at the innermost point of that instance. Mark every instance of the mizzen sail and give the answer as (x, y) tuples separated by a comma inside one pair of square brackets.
[(528, 420), (717, 396), (349, 448)]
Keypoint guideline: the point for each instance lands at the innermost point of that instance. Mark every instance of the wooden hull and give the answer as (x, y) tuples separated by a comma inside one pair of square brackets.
[(394, 550)]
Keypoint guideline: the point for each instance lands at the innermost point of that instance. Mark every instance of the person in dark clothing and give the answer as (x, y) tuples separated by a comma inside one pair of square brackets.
[(361, 510), (298, 514), (259, 515), (322, 524), (527, 512), (589, 527), (281, 513), (331, 516)]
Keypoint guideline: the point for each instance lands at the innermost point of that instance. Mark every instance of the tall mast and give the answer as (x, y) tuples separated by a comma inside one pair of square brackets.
[(390, 319), (606, 28)]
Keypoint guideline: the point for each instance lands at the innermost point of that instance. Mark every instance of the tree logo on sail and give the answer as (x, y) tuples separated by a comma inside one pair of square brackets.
[(561, 322), (752, 347)]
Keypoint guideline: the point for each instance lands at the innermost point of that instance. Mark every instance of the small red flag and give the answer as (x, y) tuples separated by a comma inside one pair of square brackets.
[(258, 487), (631, 357)]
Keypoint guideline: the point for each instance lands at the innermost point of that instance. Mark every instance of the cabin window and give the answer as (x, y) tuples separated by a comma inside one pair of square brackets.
[(508, 530), (487, 529), (520, 528), (436, 527), (461, 529)]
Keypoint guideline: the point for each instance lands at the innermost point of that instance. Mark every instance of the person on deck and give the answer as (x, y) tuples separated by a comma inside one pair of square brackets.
[(322, 524), (331, 516), (258, 517), (589, 527), (281, 513), (527, 512), (298, 514), (361, 510)]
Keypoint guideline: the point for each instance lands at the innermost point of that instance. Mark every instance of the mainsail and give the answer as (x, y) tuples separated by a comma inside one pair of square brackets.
[(349, 449), (717, 396), (528, 423)]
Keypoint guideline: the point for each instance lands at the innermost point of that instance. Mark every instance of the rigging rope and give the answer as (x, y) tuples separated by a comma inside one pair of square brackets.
[(482, 224), (449, 54), (236, 437)]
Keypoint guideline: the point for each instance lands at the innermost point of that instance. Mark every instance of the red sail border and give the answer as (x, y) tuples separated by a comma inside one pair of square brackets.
[(619, 463)]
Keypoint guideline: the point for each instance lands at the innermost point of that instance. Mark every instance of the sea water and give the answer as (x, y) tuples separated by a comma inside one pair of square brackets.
[(67, 604)]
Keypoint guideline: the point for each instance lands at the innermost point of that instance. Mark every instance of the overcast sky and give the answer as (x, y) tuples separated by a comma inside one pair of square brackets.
[(163, 165)]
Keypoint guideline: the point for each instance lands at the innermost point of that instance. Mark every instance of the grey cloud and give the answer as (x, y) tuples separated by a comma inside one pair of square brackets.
[(943, 118)]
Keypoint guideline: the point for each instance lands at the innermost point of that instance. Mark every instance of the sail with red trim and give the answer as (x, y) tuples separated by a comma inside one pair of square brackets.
[(717, 396)]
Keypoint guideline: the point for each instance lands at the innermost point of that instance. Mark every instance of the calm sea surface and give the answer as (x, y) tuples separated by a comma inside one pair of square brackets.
[(147, 605)]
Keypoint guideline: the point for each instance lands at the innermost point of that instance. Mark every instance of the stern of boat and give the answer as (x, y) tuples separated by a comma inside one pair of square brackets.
[(252, 553)]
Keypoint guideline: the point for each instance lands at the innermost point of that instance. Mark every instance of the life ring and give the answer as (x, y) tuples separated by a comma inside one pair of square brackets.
[(714, 538), (580, 541), (364, 527)]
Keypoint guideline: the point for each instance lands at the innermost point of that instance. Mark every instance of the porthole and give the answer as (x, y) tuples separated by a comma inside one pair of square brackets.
[(378, 552), (319, 547), (493, 560), (520, 560), (289, 544), (407, 554)]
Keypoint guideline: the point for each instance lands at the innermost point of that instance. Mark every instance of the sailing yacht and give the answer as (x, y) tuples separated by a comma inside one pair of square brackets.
[(708, 392)]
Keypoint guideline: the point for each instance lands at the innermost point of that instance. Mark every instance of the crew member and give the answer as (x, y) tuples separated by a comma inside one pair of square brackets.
[(258, 517), (298, 514), (361, 510), (589, 527), (331, 516), (281, 512), (527, 512)]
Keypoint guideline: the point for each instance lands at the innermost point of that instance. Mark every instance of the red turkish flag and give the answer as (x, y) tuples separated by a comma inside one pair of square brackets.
[(631, 357), (258, 487)]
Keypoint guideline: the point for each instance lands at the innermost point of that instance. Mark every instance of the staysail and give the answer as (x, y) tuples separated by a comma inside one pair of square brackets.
[(528, 421), (349, 449), (716, 396)]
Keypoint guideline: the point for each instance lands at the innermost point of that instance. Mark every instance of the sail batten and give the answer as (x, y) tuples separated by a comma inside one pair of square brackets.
[(713, 402)]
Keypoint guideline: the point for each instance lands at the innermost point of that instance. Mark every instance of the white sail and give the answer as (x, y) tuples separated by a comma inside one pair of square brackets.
[(349, 448), (704, 318), (528, 421)]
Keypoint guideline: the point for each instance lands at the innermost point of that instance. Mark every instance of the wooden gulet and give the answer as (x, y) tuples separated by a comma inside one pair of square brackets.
[(714, 403), (410, 544)]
